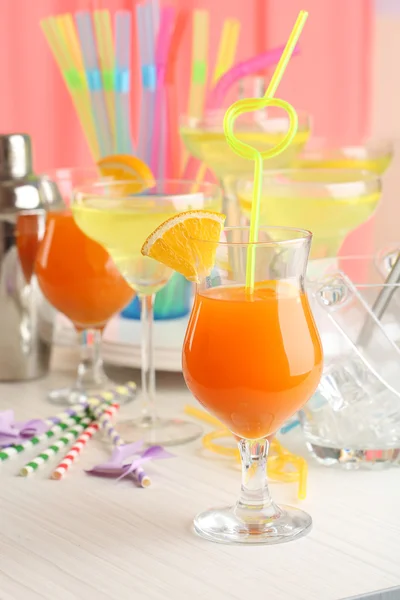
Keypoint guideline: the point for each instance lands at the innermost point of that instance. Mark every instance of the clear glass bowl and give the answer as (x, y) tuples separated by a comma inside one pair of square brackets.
[(353, 419)]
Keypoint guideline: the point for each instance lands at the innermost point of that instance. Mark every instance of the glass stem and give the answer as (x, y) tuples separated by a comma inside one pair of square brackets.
[(90, 369), (255, 502), (148, 369)]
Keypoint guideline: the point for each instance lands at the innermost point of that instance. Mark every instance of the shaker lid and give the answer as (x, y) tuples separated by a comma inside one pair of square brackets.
[(20, 189), (15, 156), (33, 194)]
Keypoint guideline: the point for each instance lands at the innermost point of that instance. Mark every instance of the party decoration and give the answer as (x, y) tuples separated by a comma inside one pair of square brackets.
[(119, 468)]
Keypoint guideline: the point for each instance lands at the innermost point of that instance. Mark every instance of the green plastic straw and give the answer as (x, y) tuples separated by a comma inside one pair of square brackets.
[(199, 62), (12, 451), (245, 151), (105, 45)]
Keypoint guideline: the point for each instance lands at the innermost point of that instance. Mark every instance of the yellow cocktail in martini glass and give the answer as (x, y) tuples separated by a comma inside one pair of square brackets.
[(120, 215), (328, 202), (374, 155)]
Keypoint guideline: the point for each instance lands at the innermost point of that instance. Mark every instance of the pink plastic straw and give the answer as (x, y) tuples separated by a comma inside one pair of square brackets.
[(242, 69), (167, 20), (217, 95)]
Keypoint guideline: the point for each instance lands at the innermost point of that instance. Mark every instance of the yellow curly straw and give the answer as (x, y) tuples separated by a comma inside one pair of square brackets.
[(277, 462), (250, 153)]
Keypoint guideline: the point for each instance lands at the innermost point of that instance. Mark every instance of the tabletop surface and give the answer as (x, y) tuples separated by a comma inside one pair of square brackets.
[(86, 537)]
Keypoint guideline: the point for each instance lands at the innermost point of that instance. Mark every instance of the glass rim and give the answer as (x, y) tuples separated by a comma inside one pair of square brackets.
[(304, 117), (189, 188), (364, 176), (320, 146), (72, 169), (304, 236), (151, 183)]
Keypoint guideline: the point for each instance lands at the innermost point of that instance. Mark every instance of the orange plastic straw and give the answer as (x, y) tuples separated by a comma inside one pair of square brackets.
[(199, 63), (225, 58), (174, 143), (227, 48)]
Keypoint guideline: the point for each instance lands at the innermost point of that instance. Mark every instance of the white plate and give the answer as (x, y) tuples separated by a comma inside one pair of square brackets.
[(121, 341)]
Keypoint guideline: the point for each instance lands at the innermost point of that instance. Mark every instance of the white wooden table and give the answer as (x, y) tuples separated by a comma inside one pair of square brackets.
[(89, 538)]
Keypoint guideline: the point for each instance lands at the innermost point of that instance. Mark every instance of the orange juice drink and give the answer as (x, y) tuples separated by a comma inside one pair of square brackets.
[(252, 361)]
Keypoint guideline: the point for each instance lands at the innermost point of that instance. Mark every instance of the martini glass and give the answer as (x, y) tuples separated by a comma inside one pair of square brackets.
[(120, 215), (79, 279), (205, 140), (374, 155), (328, 202)]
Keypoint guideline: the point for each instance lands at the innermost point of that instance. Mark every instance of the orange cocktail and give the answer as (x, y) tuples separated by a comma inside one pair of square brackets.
[(252, 362), (252, 356), (77, 275)]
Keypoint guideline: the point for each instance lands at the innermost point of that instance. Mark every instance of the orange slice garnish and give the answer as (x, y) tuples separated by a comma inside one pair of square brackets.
[(124, 167), (175, 243)]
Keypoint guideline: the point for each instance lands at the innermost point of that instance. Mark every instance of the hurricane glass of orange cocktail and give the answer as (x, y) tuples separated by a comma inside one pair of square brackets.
[(80, 280), (253, 357)]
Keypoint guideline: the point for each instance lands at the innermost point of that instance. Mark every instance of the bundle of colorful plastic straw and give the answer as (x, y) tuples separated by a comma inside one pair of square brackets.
[(93, 52), (97, 75)]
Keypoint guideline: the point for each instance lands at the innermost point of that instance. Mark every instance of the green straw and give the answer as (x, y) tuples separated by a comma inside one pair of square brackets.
[(245, 151), (52, 450), (12, 451)]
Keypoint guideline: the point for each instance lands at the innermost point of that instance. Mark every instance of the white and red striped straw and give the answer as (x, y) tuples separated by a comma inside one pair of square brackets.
[(80, 443)]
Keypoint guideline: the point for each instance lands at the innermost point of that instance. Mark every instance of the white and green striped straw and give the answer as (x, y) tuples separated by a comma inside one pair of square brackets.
[(12, 451), (65, 440)]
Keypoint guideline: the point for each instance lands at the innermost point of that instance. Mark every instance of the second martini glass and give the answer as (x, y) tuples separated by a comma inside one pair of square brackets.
[(120, 215), (329, 202)]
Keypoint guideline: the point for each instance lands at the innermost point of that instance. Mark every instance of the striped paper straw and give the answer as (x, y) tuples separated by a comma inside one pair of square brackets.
[(139, 475), (141, 478), (75, 451), (105, 423), (125, 390), (59, 427), (65, 440), (77, 410), (81, 442)]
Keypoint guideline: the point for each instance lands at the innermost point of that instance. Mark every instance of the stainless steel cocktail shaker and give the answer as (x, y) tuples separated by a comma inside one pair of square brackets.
[(25, 318)]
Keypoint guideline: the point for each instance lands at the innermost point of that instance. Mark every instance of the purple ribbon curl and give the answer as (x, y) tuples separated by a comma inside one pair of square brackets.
[(18, 432), (119, 468)]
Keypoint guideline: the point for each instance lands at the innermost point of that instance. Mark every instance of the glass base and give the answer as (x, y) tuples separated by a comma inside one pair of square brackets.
[(226, 527), (72, 396), (160, 432), (355, 458)]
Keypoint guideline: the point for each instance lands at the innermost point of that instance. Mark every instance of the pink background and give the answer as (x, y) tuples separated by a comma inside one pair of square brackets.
[(343, 76), (328, 79)]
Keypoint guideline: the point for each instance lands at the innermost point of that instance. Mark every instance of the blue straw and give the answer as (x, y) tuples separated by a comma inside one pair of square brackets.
[(143, 104), (289, 426), (123, 31), (149, 79), (84, 25)]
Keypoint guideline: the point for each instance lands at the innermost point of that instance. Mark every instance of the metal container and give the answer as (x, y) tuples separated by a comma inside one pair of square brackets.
[(26, 323)]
